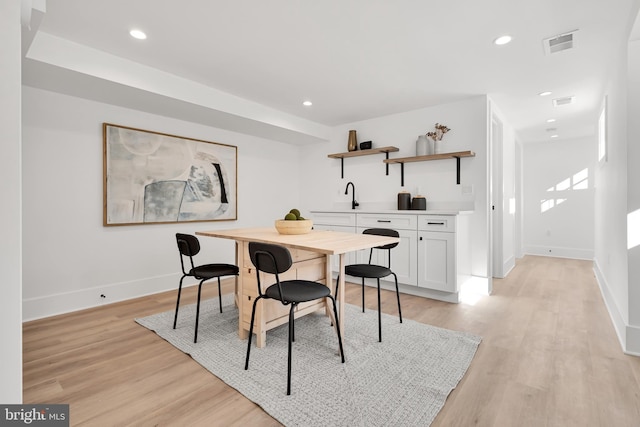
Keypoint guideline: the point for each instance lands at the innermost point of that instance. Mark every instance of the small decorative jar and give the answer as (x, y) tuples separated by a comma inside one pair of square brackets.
[(404, 201), (419, 203)]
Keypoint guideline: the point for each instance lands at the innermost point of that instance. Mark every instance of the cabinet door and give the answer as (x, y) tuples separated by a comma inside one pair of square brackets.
[(350, 258), (403, 258), (436, 261)]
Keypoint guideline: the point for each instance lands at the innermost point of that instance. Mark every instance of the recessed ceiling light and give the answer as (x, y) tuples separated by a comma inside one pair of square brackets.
[(551, 120), (138, 34), (307, 103), (546, 93), (554, 136), (502, 40)]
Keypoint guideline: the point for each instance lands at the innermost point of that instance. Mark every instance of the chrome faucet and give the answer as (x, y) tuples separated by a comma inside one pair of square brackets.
[(354, 203)]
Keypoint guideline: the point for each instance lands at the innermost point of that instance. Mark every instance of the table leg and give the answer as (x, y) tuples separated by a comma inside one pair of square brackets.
[(237, 280), (242, 332), (328, 281), (340, 296)]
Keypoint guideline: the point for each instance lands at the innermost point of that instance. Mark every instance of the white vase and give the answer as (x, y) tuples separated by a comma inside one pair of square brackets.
[(422, 146), (437, 147)]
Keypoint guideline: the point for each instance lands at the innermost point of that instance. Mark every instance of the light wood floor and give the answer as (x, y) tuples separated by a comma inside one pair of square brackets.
[(549, 357)]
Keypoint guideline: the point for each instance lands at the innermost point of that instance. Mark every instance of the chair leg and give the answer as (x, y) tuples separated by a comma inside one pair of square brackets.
[(335, 313), (253, 317), (363, 294), (291, 320), (195, 336), (175, 318), (219, 294), (379, 317), (398, 296)]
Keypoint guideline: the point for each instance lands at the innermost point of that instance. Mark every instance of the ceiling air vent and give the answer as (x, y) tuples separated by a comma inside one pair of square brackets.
[(563, 101), (559, 43)]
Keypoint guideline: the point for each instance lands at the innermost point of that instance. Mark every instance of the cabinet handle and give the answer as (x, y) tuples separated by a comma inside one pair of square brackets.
[(384, 220), (435, 223), (420, 237)]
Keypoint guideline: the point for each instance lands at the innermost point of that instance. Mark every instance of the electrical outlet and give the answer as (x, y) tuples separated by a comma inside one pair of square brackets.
[(467, 189), (103, 298)]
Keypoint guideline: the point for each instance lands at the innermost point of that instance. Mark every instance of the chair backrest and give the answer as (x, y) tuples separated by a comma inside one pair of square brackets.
[(188, 246), (383, 232), (270, 258)]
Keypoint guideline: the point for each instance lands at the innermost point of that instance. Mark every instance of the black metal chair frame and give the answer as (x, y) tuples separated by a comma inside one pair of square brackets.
[(372, 271), (275, 259), (189, 246)]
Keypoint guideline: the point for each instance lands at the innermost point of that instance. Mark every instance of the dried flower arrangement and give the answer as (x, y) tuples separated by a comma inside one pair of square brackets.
[(439, 132)]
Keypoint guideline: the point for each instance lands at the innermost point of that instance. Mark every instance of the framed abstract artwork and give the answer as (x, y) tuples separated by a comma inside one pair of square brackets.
[(152, 178)]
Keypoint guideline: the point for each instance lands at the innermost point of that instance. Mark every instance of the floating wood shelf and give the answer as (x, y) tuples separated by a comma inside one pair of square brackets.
[(358, 153), (457, 155)]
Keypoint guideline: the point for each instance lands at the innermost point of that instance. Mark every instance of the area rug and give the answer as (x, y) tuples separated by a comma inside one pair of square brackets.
[(403, 381)]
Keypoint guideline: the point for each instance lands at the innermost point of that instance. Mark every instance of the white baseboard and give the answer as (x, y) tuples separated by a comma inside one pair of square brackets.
[(633, 341), (629, 336), (507, 266), (51, 305), (559, 252)]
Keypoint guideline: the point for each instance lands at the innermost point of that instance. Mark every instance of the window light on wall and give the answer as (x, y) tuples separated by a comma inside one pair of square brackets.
[(602, 133)]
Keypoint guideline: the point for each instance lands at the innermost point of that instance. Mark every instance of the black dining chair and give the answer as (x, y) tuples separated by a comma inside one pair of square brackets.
[(275, 259), (373, 271), (189, 246)]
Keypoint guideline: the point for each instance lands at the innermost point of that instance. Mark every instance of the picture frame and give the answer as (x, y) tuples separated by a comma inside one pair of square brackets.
[(155, 178)]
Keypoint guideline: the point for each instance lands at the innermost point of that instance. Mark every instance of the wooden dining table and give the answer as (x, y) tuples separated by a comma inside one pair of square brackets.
[(311, 254)]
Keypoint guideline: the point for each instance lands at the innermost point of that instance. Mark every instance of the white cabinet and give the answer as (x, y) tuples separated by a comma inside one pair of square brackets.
[(403, 256), (342, 222), (335, 218), (437, 253), (437, 261), (431, 259), (396, 222)]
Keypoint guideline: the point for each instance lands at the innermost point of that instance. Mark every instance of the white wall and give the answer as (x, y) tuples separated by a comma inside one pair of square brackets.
[(519, 199), (558, 179), (509, 201), (10, 214), (436, 180), (610, 261), (633, 193), (504, 195), (69, 257)]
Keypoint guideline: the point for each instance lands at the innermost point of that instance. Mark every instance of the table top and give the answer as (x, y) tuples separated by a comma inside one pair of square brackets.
[(321, 241)]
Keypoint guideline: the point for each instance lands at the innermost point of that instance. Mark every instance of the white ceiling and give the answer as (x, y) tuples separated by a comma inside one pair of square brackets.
[(360, 59)]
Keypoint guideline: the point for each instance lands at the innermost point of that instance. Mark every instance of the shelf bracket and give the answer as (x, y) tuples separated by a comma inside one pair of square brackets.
[(401, 174), (457, 170), (342, 167), (387, 164)]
